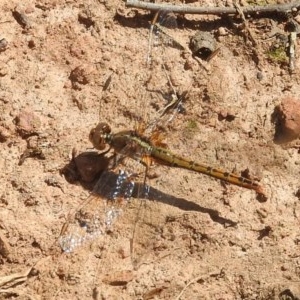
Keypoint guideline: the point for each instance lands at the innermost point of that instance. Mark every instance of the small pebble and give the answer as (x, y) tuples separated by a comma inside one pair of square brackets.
[(222, 31), (27, 123), (287, 120), (3, 45), (82, 74)]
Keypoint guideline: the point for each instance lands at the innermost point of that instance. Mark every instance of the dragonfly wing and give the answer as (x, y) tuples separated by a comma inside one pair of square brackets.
[(161, 50), (81, 225), (161, 36), (163, 30), (96, 215), (146, 230)]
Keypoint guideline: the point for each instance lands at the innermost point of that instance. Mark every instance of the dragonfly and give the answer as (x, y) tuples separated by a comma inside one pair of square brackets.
[(133, 144), (135, 152), (98, 213)]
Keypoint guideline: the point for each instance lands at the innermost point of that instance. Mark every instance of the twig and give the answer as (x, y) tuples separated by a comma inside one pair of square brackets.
[(185, 9), (242, 15), (211, 274), (294, 30), (187, 285), (292, 50)]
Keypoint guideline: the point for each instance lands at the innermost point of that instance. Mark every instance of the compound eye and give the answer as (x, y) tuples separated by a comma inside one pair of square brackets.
[(104, 128), (96, 138)]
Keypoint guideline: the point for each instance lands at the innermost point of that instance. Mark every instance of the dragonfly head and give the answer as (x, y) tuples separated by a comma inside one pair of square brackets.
[(100, 136)]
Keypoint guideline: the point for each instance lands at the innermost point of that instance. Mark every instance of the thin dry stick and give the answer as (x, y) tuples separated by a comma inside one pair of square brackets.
[(292, 50), (187, 285), (185, 9), (194, 281), (242, 15)]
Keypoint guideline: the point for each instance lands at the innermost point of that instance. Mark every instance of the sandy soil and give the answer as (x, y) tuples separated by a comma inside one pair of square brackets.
[(70, 64)]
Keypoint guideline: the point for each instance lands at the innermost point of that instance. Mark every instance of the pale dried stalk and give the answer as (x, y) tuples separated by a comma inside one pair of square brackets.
[(185, 9)]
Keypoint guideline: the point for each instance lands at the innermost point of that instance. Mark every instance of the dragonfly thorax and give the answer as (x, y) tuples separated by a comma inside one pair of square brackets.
[(100, 136)]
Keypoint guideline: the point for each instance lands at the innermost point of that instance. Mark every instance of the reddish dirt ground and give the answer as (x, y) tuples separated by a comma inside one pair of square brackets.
[(68, 65)]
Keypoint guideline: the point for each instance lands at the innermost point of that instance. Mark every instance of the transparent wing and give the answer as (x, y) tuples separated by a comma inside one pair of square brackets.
[(163, 46), (97, 214), (160, 35), (147, 229)]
